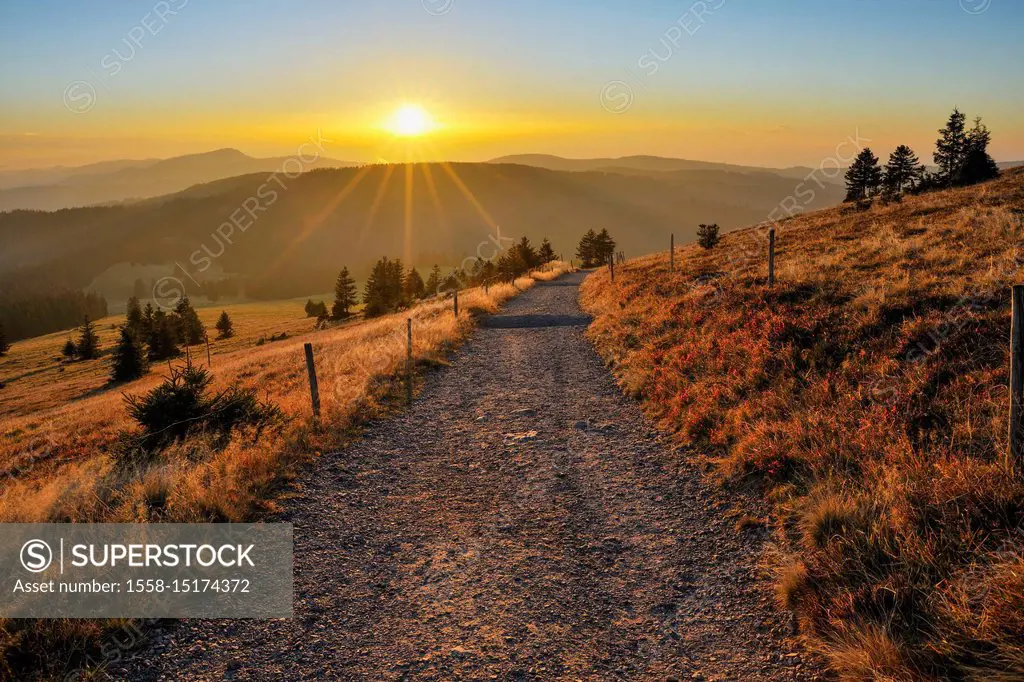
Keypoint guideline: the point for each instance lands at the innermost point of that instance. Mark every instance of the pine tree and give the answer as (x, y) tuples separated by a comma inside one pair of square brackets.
[(130, 360), (344, 295), (395, 285), (191, 330), (225, 328), (69, 349), (375, 294), (148, 314), (88, 343), (527, 253), (904, 170), (707, 235), (162, 339), (604, 248), (5, 345), (133, 315), (434, 281), (863, 177), (951, 148), (586, 250), (414, 286), (546, 253), (978, 166)]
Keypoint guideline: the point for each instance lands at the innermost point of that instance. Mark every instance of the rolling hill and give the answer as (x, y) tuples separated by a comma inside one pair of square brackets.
[(115, 181), (300, 231), (866, 395), (648, 164)]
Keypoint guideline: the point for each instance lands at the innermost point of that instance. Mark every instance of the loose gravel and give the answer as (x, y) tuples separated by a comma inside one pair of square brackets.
[(522, 521)]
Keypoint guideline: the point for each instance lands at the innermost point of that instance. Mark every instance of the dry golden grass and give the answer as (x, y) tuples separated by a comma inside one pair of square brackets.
[(59, 426), (866, 395)]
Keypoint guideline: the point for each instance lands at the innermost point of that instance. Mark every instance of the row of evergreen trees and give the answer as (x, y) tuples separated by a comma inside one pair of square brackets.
[(961, 156), (391, 287), (149, 334), (595, 248)]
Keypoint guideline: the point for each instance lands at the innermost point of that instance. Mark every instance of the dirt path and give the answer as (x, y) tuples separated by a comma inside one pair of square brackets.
[(521, 522)]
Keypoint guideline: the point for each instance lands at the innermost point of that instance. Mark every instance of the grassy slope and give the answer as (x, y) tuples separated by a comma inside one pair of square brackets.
[(59, 422), (866, 395)]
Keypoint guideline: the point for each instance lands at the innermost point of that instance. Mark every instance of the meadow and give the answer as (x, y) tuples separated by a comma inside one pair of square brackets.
[(866, 396), (62, 420)]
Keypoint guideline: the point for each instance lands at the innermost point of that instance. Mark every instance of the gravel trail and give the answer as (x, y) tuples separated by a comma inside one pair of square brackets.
[(523, 521)]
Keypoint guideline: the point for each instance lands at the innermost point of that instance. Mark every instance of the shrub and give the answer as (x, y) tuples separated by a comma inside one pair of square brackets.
[(88, 343), (183, 404), (707, 235)]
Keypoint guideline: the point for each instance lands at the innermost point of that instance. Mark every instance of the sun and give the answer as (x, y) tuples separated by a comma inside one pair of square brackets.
[(410, 120)]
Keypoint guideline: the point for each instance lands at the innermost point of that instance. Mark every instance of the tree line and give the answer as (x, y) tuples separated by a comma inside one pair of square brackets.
[(391, 287), (26, 313), (595, 248), (961, 156)]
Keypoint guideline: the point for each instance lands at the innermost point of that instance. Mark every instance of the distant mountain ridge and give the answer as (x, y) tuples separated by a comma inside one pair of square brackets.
[(117, 181), (353, 216), (662, 164), (647, 164)]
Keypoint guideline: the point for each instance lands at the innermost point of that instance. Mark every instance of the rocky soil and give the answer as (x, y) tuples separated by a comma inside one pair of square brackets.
[(523, 521)]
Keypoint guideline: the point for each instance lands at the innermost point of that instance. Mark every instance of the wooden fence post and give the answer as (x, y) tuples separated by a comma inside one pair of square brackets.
[(672, 252), (456, 304), (1015, 453), (209, 360), (611, 267), (314, 388), (408, 362), (771, 257)]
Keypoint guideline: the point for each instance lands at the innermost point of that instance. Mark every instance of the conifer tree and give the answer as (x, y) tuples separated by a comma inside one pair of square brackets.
[(133, 315), (148, 314), (434, 281), (375, 294), (162, 339), (977, 166), (904, 171), (414, 285), (5, 345), (130, 360), (527, 253), (604, 247), (69, 349), (225, 328), (88, 343), (951, 148), (190, 326), (546, 253), (344, 295), (586, 251), (707, 235), (863, 177)]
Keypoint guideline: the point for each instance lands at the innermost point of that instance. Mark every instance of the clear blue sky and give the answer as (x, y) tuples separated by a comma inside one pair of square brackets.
[(775, 82)]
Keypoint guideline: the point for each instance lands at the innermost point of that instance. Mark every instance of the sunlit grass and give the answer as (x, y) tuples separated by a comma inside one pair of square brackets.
[(867, 395)]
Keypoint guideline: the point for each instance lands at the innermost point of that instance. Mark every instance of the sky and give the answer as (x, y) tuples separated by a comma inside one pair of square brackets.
[(760, 82)]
